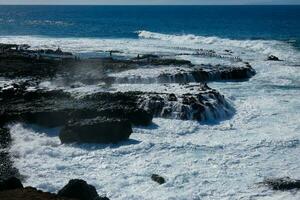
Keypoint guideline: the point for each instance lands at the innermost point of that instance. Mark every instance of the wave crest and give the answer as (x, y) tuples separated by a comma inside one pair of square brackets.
[(268, 47)]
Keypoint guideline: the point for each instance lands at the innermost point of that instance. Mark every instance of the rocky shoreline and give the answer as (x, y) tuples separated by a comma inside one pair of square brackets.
[(41, 87)]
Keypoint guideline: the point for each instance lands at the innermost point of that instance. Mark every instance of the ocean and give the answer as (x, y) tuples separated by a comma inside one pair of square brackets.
[(224, 159)]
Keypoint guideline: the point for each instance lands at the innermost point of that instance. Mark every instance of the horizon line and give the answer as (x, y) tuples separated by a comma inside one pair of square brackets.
[(297, 4)]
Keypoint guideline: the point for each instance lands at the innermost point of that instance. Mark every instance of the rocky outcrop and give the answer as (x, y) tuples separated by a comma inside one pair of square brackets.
[(273, 58), (200, 73), (79, 189), (10, 184), (157, 178), (5, 138), (283, 183), (76, 189), (202, 106), (97, 130), (7, 169), (29, 193)]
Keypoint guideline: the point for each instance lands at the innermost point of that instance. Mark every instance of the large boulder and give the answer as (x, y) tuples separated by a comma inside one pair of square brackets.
[(283, 183), (96, 130), (79, 189), (157, 178), (10, 184)]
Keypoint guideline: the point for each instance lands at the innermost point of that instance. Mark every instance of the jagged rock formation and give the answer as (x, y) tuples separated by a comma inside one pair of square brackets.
[(205, 105), (201, 73)]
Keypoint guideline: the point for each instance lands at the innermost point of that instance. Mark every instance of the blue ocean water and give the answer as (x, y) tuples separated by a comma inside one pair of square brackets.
[(235, 22)]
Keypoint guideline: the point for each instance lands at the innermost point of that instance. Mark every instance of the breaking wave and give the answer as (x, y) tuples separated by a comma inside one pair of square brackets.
[(278, 48)]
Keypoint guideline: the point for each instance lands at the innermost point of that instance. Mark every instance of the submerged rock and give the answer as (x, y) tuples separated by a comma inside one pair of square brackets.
[(157, 178), (79, 189), (273, 58), (10, 184), (283, 183), (97, 130)]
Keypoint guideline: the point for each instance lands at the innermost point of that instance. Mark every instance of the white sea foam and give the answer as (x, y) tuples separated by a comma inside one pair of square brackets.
[(222, 160)]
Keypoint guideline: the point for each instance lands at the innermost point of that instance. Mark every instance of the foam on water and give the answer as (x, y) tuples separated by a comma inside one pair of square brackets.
[(220, 160)]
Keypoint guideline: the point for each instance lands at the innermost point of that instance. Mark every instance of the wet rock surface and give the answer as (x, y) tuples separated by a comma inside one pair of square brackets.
[(207, 104), (79, 189), (7, 170), (29, 193), (273, 58), (10, 184), (285, 183), (198, 74), (157, 178), (76, 189), (97, 130)]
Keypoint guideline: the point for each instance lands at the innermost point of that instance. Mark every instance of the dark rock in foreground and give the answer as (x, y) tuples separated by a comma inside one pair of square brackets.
[(12, 189), (10, 184), (283, 183), (79, 189), (160, 180), (97, 130), (29, 193)]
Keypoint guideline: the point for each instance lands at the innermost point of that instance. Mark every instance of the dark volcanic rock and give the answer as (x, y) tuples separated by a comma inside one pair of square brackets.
[(79, 189), (10, 184), (202, 106), (5, 138), (56, 108), (273, 58), (29, 193), (158, 179), (283, 183), (97, 130), (198, 73), (158, 60), (7, 170)]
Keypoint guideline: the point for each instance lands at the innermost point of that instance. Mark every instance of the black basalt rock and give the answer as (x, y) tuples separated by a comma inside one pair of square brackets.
[(157, 178), (273, 58), (10, 184), (97, 130), (79, 189), (283, 183)]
